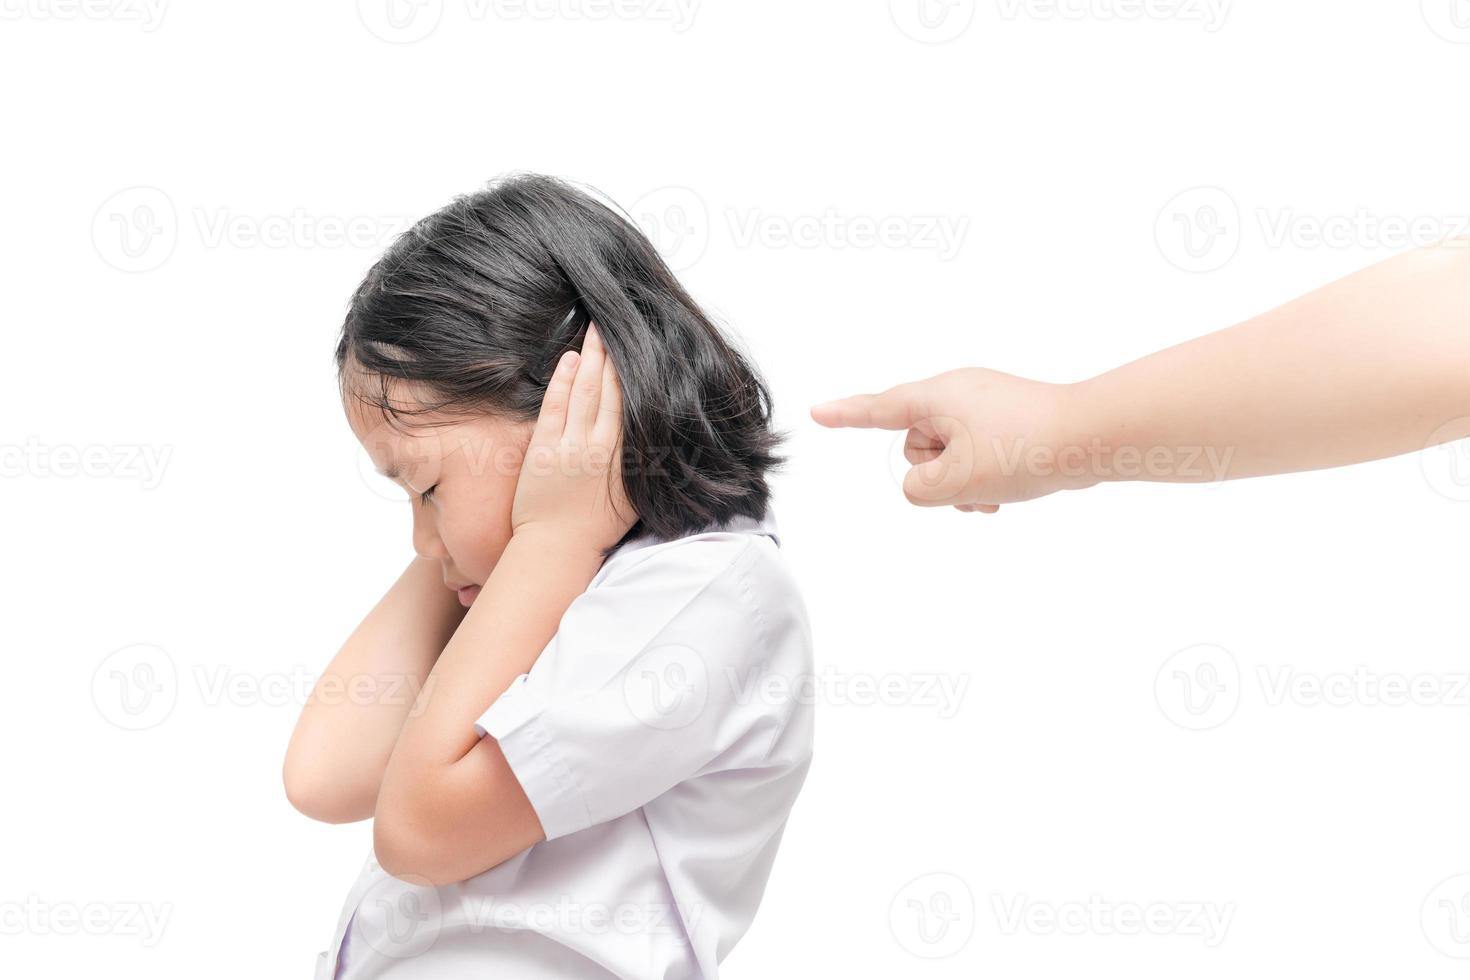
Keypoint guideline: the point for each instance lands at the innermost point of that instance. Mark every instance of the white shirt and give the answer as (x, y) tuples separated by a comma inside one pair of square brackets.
[(662, 738)]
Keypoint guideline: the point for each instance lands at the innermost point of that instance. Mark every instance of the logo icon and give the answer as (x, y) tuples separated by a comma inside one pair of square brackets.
[(932, 21), (400, 21), (1445, 461), (136, 229), (1450, 19), (933, 916), (667, 686), (1199, 229), (925, 442), (412, 456), (1199, 687), (676, 220), (403, 915), (1445, 917), (136, 687)]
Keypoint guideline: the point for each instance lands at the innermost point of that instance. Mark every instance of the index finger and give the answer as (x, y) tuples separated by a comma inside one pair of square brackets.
[(897, 408)]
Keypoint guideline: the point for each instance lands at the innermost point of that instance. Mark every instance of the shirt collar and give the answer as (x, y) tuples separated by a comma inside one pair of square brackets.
[(765, 524)]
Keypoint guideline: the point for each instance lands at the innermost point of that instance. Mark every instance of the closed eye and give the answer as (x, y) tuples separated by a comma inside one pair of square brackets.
[(428, 494)]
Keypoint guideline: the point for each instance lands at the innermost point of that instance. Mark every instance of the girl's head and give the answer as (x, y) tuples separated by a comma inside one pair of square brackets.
[(451, 338)]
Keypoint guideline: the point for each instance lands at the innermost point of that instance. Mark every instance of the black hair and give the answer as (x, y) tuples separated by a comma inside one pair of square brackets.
[(477, 301)]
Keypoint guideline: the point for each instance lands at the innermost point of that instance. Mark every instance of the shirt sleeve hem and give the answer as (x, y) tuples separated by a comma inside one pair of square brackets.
[(514, 721)]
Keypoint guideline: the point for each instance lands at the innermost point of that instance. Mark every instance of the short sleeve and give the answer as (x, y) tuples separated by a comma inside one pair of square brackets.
[(658, 673)]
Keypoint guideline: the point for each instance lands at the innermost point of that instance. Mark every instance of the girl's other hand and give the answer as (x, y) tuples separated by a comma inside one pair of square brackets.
[(571, 481)]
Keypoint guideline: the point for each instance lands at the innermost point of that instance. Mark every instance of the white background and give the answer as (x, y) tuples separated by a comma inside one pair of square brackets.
[(761, 143)]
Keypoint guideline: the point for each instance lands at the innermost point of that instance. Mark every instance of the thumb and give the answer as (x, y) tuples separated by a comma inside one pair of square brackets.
[(897, 408)]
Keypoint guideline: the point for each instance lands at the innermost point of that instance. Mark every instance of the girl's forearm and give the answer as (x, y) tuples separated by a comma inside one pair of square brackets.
[(512, 620), (449, 806), (1374, 365), (338, 753)]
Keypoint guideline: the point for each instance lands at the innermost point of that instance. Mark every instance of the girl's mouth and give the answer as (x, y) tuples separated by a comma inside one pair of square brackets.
[(467, 595)]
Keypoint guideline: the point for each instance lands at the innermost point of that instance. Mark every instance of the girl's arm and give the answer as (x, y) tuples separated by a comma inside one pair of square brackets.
[(345, 735), (450, 806), (1373, 365)]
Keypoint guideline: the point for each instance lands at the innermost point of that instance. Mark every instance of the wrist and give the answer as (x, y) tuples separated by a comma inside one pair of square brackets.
[(558, 542), (1078, 435), (1127, 438)]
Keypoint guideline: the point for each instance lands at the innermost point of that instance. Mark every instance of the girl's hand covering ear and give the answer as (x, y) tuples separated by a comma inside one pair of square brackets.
[(571, 480), (976, 438)]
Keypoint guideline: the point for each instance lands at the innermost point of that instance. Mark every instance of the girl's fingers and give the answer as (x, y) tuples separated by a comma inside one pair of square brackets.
[(609, 424), (552, 418), (586, 389)]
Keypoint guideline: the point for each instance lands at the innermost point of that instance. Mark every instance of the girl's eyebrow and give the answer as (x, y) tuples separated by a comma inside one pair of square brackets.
[(393, 473), (393, 470)]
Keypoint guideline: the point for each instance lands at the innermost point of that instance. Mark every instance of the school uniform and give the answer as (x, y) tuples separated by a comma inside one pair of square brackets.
[(662, 737)]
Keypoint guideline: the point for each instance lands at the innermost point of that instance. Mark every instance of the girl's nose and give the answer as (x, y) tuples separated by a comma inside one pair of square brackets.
[(426, 543)]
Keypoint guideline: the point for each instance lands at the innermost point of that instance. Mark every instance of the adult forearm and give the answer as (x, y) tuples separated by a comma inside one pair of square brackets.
[(1370, 366)]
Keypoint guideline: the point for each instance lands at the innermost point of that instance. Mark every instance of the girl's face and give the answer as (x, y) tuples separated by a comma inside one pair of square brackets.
[(461, 481)]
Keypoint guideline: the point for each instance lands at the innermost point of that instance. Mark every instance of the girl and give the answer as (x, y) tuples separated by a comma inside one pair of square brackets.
[(594, 775)]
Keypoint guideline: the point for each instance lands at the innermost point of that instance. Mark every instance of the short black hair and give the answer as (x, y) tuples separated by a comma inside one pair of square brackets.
[(477, 301)]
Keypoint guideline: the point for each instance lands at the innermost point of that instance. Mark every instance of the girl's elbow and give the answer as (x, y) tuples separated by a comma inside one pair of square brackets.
[(426, 844), (395, 855), (406, 831), (440, 826), (413, 856), (321, 798)]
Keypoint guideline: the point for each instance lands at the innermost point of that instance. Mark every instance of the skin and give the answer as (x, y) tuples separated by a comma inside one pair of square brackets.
[(461, 481), (339, 751), (447, 806), (469, 468), (1373, 365)]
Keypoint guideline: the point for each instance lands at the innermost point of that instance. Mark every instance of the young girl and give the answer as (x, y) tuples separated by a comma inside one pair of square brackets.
[(593, 763)]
